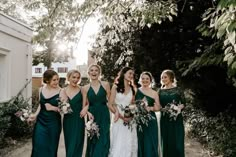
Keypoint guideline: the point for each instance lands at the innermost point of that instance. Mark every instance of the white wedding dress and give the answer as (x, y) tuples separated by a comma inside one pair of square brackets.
[(124, 142)]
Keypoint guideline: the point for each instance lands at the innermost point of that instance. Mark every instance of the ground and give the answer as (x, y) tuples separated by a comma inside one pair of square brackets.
[(23, 149)]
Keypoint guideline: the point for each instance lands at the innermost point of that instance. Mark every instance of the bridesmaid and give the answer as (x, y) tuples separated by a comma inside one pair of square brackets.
[(73, 124), (172, 130), (95, 97), (47, 129), (148, 137)]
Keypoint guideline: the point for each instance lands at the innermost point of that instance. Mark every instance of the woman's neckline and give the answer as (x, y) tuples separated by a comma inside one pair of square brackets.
[(169, 88)]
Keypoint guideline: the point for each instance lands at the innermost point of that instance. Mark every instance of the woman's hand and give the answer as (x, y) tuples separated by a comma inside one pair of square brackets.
[(90, 116), (83, 112), (148, 108), (32, 118), (127, 120), (117, 116)]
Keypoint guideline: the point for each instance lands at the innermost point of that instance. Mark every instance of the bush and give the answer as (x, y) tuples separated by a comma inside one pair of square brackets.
[(217, 133), (10, 125)]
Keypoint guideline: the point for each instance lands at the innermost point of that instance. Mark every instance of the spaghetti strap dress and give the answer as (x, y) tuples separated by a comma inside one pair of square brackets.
[(99, 147), (73, 127), (47, 129)]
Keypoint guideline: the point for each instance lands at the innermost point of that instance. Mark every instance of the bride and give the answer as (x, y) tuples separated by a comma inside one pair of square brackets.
[(123, 139)]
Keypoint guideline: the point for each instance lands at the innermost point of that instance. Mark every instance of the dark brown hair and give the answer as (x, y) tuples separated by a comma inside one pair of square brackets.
[(119, 81), (48, 75)]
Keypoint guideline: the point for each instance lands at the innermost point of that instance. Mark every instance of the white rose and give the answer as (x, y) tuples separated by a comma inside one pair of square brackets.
[(25, 115), (132, 107), (22, 118), (67, 105), (176, 108), (88, 126), (64, 109)]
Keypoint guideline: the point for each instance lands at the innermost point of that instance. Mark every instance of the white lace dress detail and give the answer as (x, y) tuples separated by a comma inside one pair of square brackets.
[(124, 142)]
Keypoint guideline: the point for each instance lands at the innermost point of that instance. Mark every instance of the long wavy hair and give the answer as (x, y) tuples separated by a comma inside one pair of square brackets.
[(119, 81)]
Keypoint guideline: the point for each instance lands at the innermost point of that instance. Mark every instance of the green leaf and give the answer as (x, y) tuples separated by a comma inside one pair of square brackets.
[(227, 56), (231, 37), (222, 30), (234, 65), (228, 50)]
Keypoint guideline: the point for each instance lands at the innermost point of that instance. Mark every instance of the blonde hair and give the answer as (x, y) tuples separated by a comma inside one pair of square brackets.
[(97, 66), (171, 75), (70, 73)]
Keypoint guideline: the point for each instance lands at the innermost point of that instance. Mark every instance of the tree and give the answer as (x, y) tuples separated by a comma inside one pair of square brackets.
[(55, 23), (219, 23), (120, 29)]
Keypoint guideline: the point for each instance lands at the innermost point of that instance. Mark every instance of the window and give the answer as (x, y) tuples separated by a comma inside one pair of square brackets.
[(38, 70), (5, 74), (62, 70)]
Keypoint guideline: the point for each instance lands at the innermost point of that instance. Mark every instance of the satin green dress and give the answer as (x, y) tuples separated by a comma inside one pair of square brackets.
[(73, 127), (172, 131), (148, 138), (47, 129), (99, 147)]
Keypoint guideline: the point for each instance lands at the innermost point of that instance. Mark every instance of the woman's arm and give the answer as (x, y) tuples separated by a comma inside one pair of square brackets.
[(108, 90), (182, 98), (157, 106), (34, 115), (50, 107), (85, 103), (63, 96), (111, 100)]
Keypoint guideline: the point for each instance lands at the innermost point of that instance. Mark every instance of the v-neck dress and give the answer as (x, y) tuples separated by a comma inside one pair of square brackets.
[(148, 137), (99, 147), (47, 129), (73, 127)]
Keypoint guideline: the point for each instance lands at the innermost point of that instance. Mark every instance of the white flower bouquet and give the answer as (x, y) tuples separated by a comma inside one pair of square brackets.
[(172, 110), (24, 113), (138, 114), (92, 129), (64, 107)]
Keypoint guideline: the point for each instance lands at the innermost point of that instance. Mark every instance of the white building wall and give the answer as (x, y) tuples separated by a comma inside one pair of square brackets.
[(15, 57), (71, 64)]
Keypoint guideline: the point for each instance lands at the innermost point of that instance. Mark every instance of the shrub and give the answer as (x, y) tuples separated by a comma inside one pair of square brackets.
[(217, 133), (10, 125)]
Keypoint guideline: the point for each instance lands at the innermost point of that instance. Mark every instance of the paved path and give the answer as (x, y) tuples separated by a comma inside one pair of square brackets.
[(192, 149)]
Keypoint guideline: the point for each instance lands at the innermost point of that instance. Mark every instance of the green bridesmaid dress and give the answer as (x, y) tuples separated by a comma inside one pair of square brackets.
[(73, 127), (99, 147), (148, 138), (172, 131), (47, 129)]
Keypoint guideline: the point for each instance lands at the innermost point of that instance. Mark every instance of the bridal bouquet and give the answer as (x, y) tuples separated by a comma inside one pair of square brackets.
[(64, 107), (24, 113), (172, 110), (138, 114), (92, 129)]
